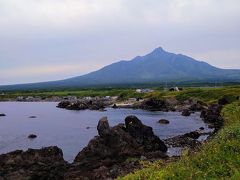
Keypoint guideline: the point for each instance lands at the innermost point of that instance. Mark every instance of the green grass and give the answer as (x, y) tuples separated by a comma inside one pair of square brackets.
[(204, 94), (208, 95), (124, 93), (217, 159)]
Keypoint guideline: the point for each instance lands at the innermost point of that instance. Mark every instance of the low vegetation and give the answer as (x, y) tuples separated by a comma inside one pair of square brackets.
[(124, 93), (217, 159), (204, 94), (208, 95)]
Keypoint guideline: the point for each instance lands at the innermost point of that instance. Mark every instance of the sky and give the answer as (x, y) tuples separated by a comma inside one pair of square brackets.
[(43, 40)]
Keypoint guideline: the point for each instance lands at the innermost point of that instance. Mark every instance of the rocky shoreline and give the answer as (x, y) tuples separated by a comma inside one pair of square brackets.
[(106, 156), (117, 150)]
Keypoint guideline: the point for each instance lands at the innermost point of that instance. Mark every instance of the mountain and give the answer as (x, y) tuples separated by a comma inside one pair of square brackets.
[(156, 67)]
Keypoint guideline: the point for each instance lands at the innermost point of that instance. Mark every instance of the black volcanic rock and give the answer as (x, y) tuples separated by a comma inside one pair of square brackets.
[(163, 121), (186, 112), (212, 116), (82, 105), (114, 145), (144, 135), (46, 163), (32, 136), (153, 104), (103, 127), (2, 115)]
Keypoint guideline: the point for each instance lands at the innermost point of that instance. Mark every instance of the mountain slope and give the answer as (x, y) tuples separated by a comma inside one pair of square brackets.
[(155, 67)]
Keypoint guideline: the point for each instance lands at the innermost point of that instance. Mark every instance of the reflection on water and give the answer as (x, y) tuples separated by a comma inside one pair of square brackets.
[(68, 129)]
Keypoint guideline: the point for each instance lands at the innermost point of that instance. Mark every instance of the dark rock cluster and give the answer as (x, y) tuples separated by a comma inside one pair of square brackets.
[(82, 105), (163, 121), (186, 140), (172, 104), (198, 106), (212, 115), (46, 163), (186, 112), (115, 145), (153, 104), (1, 114), (32, 136), (106, 155)]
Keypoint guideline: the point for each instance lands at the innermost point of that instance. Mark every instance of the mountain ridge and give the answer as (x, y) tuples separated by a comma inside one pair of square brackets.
[(155, 67)]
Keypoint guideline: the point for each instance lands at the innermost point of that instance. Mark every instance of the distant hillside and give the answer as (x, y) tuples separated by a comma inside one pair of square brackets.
[(156, 67)]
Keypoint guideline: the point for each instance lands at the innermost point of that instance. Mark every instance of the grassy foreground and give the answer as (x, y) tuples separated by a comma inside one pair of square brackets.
[(217, 159)]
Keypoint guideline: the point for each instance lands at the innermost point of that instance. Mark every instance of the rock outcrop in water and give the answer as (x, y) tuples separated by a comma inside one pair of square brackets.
[(172, 104), (186, 112), (153, 104), (115, 145), (186, 140), (2, 115), (97, 104), (106, 155), (163, 121), (32, 136)]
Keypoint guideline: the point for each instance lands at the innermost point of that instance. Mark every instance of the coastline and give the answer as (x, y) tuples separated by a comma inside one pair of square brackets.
[(188, 140)]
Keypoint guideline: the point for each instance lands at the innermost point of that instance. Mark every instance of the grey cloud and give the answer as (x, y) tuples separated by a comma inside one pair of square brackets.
[(94, 33)]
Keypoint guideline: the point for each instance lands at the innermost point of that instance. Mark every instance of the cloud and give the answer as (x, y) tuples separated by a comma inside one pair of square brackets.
[(38, 33), (66, 70)]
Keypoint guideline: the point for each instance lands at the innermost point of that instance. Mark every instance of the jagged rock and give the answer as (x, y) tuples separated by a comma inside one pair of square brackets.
[(103, 127), (144, 135), (63, 104), (163, 121), (186, 112), (32, 136), (82, 105), (1, 115), (114, 145), (46, 163), (212, 115), (186, 140), (153, 104)]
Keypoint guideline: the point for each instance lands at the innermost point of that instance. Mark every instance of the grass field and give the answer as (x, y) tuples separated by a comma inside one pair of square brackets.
[(217, 159), (125, 93), (205, 94)]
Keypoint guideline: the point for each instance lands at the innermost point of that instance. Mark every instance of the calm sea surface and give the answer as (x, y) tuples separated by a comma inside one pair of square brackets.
[(68, 129)]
